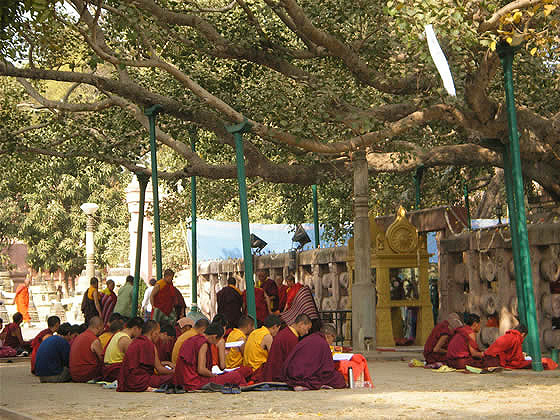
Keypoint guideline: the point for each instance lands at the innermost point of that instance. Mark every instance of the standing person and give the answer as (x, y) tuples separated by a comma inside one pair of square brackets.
[(261, 305), (108, 301), (86, 354), (179, 306), (163, 298), (282, 345), (282, 293), (230, 303), (21, 300), (271, 290), (90, 303), (141, 360), (53, 356), (293, 289), (124, 298), (146, 304), (53, 323)]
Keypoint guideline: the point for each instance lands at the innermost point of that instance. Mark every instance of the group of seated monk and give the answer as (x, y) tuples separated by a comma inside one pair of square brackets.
[(453, 342), (146, 355)]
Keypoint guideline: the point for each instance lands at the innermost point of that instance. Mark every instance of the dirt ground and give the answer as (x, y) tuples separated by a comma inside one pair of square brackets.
[(400, 392)]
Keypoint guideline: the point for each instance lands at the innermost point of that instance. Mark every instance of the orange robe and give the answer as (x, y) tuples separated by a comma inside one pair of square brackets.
[(358, 363), (22, 301)]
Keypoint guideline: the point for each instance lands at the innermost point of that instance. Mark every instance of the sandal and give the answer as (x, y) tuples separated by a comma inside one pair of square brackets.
[(179, 389)]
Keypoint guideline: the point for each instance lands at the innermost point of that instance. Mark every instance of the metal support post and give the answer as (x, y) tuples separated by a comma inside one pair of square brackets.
[(143, 182)]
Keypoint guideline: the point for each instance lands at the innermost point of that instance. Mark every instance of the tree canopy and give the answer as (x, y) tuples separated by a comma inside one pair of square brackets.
[(316, 80)]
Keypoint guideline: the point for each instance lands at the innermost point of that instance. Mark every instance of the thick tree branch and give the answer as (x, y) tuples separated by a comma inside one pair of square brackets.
[(494, 20)]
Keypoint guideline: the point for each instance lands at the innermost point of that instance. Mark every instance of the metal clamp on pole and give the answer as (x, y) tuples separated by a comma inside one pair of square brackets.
[(237, 130)]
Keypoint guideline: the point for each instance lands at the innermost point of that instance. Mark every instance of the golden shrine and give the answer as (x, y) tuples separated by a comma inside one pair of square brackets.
[(399, 267)]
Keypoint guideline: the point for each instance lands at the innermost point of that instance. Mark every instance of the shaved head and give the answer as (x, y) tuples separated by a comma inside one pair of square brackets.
[(95, 322)]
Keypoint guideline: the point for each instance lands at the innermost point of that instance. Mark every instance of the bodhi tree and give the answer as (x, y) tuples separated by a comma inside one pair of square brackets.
[(316, 80)]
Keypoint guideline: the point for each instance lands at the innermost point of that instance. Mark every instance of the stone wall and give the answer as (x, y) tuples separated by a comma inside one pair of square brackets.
[(477, 275), (323, 270)]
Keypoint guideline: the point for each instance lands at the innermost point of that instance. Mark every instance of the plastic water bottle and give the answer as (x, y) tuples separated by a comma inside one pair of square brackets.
[(350, 378)]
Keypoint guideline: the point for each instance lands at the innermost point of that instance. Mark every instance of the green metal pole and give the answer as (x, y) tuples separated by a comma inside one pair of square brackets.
[(316, 216), (151, 113), (467, 204), (143, 182), (521, 298), (506, 53), (237, 130), (194, 268)]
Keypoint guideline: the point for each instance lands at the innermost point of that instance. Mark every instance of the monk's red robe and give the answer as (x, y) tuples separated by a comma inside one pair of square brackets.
[(440, 330), (84, 364), (459, 355), (22, 301), (291, 294), (137, 370), (284, 342), (509, 349), (282, 297), (165, 348), (35, 343), (108, 302), (310, 364), (230, 302), (271, 289), (186, 369), (111, 372), (166, 297), (11, 339), (260, 304), (359, 366)]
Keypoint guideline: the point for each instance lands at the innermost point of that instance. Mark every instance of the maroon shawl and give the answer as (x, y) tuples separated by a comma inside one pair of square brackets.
[(459, 343), (137, 366), (283, 344), (310, 364), (439, 330)]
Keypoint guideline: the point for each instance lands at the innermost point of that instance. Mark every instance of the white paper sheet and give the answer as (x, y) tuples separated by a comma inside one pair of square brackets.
[(234, 344), (217, 371), (342, 356)]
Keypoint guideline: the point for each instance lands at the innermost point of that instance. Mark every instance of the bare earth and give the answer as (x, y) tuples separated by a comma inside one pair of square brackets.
[(400, 392)]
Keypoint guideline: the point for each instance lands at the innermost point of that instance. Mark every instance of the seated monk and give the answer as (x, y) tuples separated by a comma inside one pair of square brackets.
[(166, 342), (140, 361), (259, 342), (463, 350), (86, 354), (105, 338), (53, 322), (183, 325), (234, 358), (310, 365), (194, 365), (51, 363), (282, 345), (199, 327), (117, 347), (509, 349), (219, 349), (435, 349), (11, 334)]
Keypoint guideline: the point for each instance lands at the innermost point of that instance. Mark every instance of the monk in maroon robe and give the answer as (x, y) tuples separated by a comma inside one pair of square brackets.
[(282, 293), (108, 301), (435, 349), (271, 290), (463, 350), (261, 305), (230, 303), (140, 361), (310, 365), (509, 349), (283, 344), (53, 322), (194, 364), (86, 353)]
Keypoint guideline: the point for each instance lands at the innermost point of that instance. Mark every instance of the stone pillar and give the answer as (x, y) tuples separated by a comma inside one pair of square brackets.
[(363, 289), (89, 209), (133, 200)]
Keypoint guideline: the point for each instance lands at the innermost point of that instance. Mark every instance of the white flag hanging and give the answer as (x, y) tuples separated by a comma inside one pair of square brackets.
[(440, 60)]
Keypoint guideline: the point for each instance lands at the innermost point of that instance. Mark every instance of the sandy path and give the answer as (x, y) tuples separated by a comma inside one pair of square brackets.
[(400, 392)]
